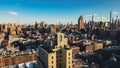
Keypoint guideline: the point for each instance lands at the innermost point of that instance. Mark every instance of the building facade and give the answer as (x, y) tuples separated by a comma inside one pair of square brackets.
[(80, 23), (55, 53), (17, 59)]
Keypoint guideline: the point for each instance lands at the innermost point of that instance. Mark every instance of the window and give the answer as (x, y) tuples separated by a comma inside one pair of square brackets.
[(69, 54), (52, 57), (30, 58), (52, 62), (60, 56), (35, 56), (6, 62), (60, 65), (60, 60), (13, 61), (60, 52), (69, 62), (69, 66), (73, 65), (69, 58)]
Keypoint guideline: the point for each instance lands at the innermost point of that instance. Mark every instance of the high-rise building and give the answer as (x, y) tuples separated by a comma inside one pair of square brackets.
[(55, 53), (80, 23), (116, 17), (36, 25), (110, 16), (92, 18), (119, 22), (113, 20), (116, 21), (1, 29)]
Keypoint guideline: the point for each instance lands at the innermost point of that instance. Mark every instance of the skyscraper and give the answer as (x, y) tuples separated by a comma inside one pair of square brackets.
[(80, 23), (113, 20), (92, 18), (119, 22), (110, 16), (116, 21)]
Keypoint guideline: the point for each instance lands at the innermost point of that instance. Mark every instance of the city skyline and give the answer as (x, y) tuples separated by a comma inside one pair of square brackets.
[(64, 11), (59, 34)]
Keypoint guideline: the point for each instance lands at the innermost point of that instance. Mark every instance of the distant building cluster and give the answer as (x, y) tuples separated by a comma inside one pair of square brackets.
[(84, 45)]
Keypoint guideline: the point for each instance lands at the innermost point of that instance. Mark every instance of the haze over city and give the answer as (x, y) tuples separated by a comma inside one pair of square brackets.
[(55, 11)]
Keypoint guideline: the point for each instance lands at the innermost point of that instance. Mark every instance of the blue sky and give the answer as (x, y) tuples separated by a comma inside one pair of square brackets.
[(55, 11)]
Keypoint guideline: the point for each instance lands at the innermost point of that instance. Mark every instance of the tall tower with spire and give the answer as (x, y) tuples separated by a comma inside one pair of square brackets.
[(81, 22), (92, 18), (110, 16)]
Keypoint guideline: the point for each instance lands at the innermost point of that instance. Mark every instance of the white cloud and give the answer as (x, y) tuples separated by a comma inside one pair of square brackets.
[(90, 15), (95, 14), (103, 18), (11, 13), (115, 12)]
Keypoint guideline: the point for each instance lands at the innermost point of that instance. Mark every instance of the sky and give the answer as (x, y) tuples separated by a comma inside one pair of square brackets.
[(55, 11)]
